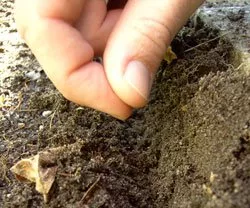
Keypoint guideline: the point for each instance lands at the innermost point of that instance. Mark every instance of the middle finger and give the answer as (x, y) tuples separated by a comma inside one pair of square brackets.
[(96, 23)]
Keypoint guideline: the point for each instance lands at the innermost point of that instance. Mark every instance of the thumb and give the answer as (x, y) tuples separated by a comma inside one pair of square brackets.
[(138, 43)]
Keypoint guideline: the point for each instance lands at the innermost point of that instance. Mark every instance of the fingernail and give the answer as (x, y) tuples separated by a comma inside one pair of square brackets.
[(139, 78)]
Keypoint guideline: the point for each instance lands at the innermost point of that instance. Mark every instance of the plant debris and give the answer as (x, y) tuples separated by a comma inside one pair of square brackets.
[(169, 55), (40, 169)]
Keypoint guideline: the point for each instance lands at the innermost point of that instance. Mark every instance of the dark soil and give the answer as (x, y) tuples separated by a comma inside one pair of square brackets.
[(189, 147)]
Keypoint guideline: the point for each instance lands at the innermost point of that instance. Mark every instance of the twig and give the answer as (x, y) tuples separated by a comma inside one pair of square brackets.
[(53, 115), (197, 46), (90, 191), (20, 99), (239, 66)]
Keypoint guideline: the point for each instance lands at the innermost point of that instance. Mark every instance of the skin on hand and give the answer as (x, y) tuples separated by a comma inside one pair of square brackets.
[(132, 36)]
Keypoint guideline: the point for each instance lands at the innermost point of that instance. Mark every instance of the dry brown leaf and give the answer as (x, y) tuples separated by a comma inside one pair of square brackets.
[(40, 169), (170, 55)]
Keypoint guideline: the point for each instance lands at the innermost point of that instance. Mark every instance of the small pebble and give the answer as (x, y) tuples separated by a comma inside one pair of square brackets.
[(33, 75), (2, 148), (46, 113), (41, 127), (21, 125)]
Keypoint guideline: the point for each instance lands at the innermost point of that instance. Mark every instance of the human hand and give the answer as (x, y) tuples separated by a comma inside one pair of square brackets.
[(65, 35)]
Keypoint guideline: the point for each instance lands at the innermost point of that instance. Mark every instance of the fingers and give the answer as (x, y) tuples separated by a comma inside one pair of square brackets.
[(96, 23), (65, 10), (138, 43), (66, 56)]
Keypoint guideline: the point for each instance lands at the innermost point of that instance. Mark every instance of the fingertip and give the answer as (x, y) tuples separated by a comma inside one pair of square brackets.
[(138, 77), (88, 86), (122, 117)]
